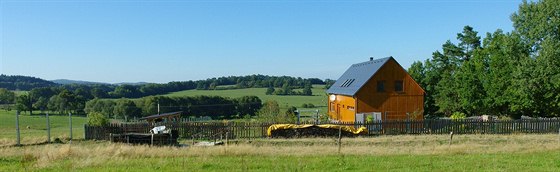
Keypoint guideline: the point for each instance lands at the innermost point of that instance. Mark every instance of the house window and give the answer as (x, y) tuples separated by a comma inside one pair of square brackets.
[(399, 86), (350, 108), (380, 86), (332, 107)]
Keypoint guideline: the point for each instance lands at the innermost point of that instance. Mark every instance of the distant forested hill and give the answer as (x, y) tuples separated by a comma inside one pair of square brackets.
[(67, 82), (127, 90), (17, 82), (73, 97)]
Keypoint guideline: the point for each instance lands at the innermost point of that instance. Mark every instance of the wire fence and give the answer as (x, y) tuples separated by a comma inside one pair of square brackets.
[(255, 130)]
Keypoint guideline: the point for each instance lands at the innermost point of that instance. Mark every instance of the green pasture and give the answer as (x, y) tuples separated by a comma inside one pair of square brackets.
[(540, 161), (19, 93), (319, 98), (33, 128)]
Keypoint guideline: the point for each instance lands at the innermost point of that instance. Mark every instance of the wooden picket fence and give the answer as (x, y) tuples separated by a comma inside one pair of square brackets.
[(253, 130), (187, 130)]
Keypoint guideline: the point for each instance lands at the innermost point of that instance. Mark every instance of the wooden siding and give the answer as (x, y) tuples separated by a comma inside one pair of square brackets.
[(342, 108), (408, 104)]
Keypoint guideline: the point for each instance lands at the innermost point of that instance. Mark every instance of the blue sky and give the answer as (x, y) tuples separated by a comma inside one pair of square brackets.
[(132, 41)]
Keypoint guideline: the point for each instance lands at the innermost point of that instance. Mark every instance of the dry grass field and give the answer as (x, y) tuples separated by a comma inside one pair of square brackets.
[(399, 153), (395, 153)]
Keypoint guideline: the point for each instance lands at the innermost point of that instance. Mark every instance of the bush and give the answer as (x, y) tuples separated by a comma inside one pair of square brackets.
[(458, 115), (307, 105), (97, 119), (268, 111), (270, 91)]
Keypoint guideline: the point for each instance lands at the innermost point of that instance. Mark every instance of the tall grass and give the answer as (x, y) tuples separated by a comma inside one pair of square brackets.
[(273, 154)]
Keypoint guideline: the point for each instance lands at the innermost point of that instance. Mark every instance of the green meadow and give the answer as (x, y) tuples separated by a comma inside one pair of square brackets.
[(319, 98), (33, 128)]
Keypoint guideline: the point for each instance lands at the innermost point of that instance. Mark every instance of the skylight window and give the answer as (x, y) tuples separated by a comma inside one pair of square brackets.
[(347, 83)]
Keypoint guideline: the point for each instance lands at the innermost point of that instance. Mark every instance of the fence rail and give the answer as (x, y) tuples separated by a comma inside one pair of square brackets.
[(253, 130)]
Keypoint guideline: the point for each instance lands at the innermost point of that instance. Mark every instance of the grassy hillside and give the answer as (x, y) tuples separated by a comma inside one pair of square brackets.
[(319, 97), (33, 129)]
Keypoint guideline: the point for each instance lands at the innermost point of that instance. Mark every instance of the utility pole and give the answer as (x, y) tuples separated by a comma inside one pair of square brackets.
[(17, 128)]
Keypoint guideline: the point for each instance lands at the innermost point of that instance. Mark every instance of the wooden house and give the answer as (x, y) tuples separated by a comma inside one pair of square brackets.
[(377, 89)]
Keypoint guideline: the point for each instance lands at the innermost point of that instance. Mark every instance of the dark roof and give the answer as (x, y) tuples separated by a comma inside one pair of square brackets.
[(357, 76), (161, 115)]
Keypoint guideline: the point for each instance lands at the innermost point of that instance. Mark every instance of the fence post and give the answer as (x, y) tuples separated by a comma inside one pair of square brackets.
[(85, 138), (298, 116), (70, 121), (193, 140), (17, 129), (450, 138), (317, 117), (339, 139), (48, 129)]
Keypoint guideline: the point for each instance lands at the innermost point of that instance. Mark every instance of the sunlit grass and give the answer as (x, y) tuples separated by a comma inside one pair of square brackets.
[(319, 97), (401, 153), (33, 128)]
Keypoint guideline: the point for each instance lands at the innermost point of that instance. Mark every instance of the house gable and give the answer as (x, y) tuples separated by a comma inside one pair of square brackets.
[(405, 104), (358, 90)]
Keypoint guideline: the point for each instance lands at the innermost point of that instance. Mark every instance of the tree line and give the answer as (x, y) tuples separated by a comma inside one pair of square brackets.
[(78, 99), (215, 107), (288, 90), (61, 100), (17, 82), (505, 73), (90, 91)]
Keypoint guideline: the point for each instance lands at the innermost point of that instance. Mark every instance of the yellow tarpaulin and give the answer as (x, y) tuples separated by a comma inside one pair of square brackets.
[(351, 129)]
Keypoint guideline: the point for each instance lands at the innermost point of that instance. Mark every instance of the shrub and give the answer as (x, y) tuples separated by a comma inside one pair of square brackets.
[(268, 111), (97, 119), (307, 105), (458, 115)]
